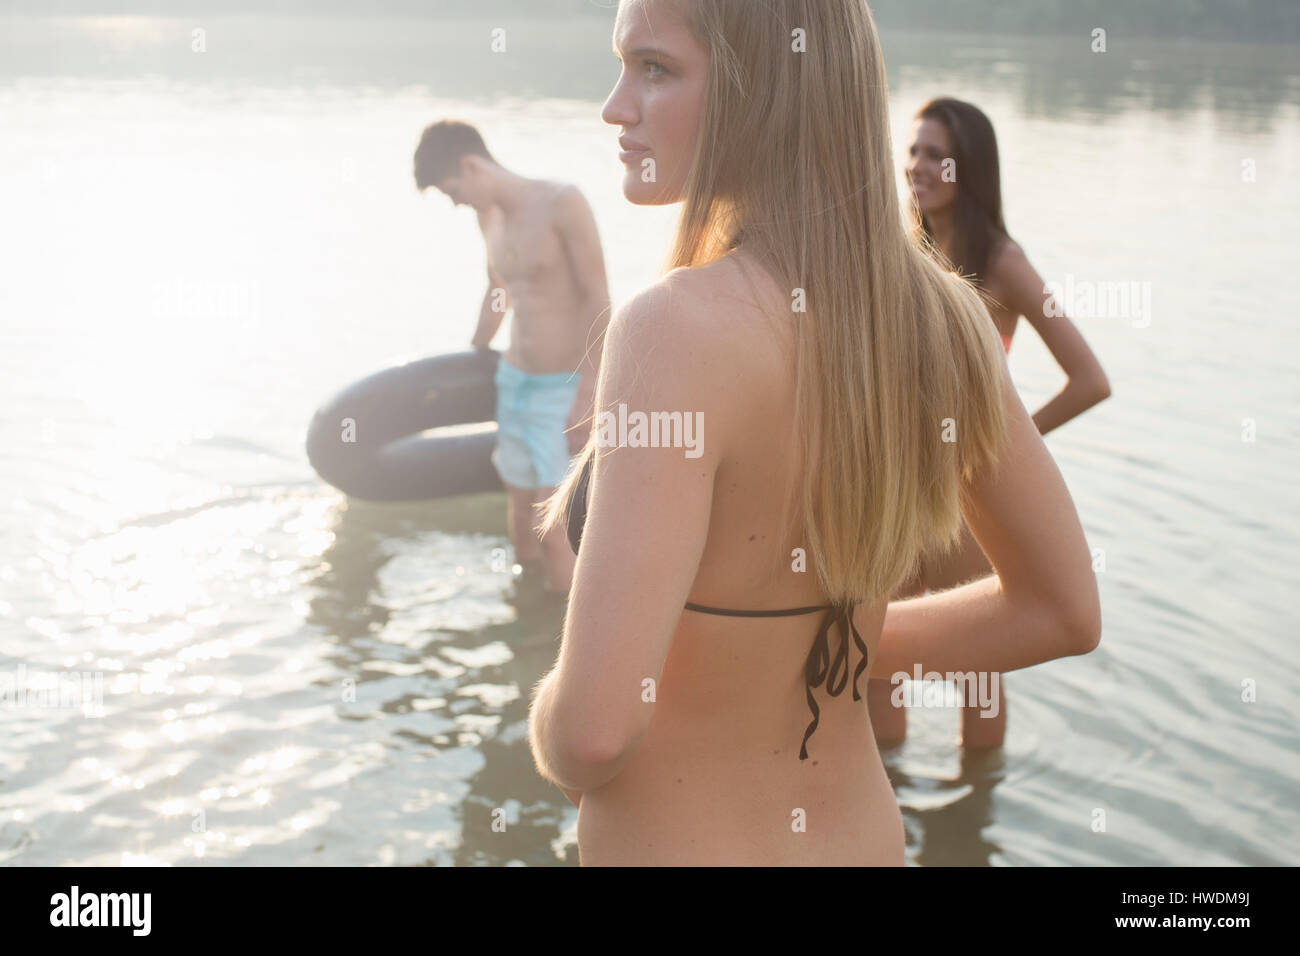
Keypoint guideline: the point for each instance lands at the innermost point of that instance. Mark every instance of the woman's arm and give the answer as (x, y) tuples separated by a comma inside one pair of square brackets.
[(647, 523), (1042, 602), (1021, 289)]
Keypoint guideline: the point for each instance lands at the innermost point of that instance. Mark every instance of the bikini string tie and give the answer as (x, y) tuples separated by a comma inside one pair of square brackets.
[(820, 667)]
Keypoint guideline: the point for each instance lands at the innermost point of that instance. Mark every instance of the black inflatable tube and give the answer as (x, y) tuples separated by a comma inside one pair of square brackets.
[(369, 440)]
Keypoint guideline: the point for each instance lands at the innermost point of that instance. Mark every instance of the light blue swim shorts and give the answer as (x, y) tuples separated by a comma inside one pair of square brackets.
[(532, 450)]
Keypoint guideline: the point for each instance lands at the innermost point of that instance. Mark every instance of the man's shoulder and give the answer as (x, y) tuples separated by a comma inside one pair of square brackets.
[(562, 198)]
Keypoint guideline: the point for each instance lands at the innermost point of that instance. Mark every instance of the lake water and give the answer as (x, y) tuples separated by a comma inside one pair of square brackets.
[(199, 248)]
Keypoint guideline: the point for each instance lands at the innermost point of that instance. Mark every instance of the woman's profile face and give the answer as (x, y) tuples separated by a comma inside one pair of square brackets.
[(931, 171), (657, 100)]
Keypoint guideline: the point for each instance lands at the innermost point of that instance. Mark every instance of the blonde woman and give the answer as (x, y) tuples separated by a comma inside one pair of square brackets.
[(726, 594)]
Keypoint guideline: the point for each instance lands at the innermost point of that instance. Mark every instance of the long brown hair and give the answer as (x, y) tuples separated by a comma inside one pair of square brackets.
[(977, 211), (896, 357)]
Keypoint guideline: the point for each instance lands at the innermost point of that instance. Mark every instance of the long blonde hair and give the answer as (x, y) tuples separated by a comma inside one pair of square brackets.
[(896, 358)]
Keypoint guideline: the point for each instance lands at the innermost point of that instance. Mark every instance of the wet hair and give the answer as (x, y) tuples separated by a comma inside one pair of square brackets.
[(978, 227), (442, 146)]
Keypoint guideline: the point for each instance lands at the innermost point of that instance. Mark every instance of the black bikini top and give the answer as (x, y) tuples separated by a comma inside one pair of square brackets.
[(819, 666)]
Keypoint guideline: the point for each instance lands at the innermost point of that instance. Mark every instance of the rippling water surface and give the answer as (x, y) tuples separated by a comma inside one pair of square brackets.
[(198, 249)]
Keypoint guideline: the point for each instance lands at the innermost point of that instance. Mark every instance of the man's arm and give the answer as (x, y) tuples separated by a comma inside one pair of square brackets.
[(490, 315), (577, 229)]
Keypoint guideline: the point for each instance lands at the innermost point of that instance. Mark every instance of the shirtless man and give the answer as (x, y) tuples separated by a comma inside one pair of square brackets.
[(544, 259)]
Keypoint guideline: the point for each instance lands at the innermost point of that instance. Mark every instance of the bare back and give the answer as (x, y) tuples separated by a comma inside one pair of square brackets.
[(717, 779)]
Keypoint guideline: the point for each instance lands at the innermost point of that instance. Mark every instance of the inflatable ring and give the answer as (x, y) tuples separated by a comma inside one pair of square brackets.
[(378, 439)]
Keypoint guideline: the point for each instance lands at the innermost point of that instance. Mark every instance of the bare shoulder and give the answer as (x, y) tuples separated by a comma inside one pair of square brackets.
[(1011, 280), (719, 320), (673, 309), (564, 192), (1007, 262), (675, 329), (737, 299), (668, 349), (562, 196)]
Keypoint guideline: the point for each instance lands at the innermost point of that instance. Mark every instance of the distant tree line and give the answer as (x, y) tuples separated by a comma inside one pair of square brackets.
[(1270, 20), (1249, 20)]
